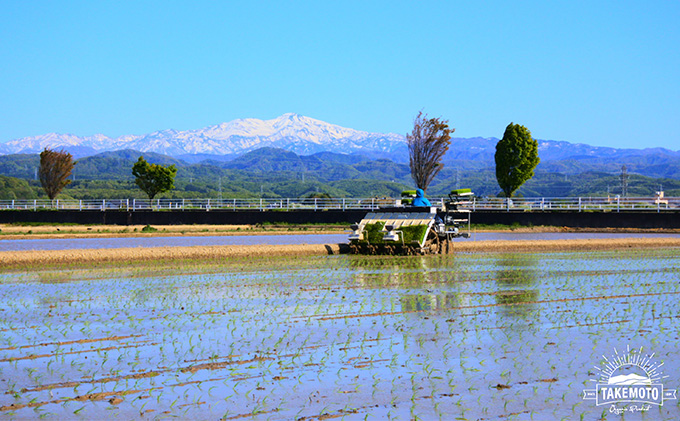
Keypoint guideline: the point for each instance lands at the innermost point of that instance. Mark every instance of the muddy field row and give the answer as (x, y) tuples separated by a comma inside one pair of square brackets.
[(29, 259), (469, 336)]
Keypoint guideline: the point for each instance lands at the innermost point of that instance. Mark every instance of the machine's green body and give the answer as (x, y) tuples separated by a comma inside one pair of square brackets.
[(411, 230)]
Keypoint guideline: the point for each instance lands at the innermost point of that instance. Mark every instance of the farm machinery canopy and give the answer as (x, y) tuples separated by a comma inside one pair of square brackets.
[(410, 229)]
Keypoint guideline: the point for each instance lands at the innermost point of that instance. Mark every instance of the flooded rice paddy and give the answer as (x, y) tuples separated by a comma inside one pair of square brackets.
[(468, 336)]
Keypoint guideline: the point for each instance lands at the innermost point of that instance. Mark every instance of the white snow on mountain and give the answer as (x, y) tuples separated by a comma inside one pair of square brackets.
[(300, 134)]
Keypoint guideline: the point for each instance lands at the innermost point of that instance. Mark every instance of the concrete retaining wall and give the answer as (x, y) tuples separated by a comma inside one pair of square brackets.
[(667, 219), (116, 217), (631, 219)]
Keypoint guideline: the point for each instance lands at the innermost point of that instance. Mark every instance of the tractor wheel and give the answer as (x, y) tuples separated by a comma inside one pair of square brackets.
[(448, 246), (432, 243)]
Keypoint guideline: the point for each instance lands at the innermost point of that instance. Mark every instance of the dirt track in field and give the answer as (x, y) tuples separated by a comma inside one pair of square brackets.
[(56, 257), (32, 257)]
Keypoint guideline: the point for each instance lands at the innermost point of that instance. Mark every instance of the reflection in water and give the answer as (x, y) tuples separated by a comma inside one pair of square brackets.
[(389, 263), (404, 272), (146, 295), (411, 274), (54, 277), (427, 302), (516, 283), (516, 296)]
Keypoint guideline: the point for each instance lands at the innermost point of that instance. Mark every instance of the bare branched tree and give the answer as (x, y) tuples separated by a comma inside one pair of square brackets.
[(427, 144), (55, 168)]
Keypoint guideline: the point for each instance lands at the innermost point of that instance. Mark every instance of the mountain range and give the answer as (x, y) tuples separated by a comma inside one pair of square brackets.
[(293, 155), (272, 172), (292, 132), (306, 136)]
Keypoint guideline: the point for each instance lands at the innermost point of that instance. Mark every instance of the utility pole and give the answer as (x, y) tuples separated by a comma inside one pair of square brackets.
[(624, 181)]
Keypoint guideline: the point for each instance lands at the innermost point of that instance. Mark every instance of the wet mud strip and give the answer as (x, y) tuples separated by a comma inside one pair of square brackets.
[(115, 394), (591, 244)]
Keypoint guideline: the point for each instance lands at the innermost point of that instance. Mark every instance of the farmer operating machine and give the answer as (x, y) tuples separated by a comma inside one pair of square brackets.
[(407, 229)]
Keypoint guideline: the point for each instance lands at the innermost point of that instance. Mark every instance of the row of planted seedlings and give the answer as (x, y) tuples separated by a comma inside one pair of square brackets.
[(475, 336)]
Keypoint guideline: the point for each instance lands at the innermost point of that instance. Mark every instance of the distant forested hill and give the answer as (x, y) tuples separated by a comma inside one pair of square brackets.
[(272, 172)]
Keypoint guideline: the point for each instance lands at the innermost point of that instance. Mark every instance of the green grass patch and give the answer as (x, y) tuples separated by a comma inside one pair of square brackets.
[(149, 228)]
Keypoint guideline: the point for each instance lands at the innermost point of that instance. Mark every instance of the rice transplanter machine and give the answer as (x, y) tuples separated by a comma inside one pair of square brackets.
[(406, 229)]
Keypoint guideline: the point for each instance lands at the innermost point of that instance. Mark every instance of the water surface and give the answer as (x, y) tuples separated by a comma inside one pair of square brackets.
[(484, 336), (240, 240)]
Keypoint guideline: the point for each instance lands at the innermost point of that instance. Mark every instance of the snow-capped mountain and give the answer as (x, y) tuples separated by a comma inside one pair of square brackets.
[(306, 136), (293, 132)]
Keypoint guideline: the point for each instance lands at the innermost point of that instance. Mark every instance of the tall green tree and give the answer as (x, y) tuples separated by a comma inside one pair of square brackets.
[(153, 179), (516, 158), (427, 144), (54, 170)]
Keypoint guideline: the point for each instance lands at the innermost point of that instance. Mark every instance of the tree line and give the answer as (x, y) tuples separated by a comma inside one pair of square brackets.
[(109, 176), (516, 153), (56, 167)]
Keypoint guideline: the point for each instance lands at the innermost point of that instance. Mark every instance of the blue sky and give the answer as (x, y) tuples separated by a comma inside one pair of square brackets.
[(597, 72)]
